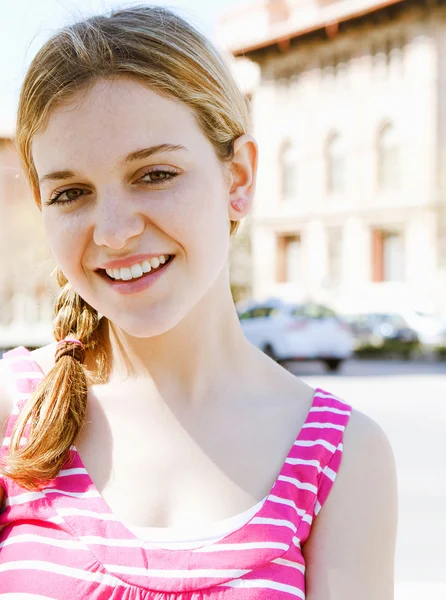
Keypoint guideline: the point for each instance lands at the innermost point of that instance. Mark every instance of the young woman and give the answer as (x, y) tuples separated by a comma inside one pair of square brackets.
[(152, 453)]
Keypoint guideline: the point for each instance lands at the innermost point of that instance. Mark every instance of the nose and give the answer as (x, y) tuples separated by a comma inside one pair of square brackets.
[(116, 221)]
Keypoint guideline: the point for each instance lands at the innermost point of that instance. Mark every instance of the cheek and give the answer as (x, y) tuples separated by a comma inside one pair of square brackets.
[(197, 214), (64, 234)]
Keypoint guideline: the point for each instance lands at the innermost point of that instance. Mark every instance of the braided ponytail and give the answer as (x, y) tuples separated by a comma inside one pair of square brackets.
[(55, 413)]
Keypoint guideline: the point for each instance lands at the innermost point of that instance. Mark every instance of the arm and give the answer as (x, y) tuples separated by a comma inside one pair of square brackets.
[(351, 548)]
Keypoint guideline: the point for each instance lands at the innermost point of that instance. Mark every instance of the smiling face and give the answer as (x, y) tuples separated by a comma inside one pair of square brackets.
[(134, 203)]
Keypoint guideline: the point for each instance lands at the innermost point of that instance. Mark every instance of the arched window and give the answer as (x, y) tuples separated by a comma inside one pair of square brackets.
[(335, 156), (288, 170), (388, 157)]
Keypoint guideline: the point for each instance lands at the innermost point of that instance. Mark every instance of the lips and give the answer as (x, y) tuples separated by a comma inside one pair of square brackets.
[(137, 270), (139, 283)]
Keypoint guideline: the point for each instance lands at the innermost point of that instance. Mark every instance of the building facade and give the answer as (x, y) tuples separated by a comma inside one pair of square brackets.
[(350, 114)]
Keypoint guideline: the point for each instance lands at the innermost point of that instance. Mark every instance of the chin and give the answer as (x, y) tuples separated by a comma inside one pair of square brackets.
[(149, 325)]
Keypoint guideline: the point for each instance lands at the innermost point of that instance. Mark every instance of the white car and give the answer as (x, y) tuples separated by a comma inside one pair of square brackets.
[(431, 330), (289, 332)]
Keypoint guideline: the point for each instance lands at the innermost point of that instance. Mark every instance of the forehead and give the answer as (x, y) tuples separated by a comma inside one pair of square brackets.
[(114, 117)]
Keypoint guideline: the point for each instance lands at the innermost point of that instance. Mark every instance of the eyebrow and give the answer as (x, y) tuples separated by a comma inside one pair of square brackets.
[(132, 157)]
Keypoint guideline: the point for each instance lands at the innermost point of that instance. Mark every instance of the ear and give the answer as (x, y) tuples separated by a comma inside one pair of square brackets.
[(242, 177)]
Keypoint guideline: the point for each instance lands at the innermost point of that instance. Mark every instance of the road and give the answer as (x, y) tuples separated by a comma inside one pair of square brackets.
[(408, 400)]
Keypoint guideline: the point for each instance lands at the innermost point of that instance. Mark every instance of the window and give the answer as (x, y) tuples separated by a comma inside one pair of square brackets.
[(260, 312), (244, 316), (388, 158), (289, 252), (288, 170), (387, 256), (314, 311), (335, 156)]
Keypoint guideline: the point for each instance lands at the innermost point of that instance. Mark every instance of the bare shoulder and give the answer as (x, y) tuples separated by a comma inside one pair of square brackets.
[(364, 439), (44, 357), (359, 519)]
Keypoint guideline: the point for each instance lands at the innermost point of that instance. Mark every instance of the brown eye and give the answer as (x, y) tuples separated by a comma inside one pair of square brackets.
[(158, 176), (67, 196), (73, 194)]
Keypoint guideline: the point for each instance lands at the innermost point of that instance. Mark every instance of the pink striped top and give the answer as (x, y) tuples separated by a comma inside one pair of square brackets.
[(64, 542)]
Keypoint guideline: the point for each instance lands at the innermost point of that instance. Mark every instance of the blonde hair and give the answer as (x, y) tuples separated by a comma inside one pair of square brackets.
[(158, 48)]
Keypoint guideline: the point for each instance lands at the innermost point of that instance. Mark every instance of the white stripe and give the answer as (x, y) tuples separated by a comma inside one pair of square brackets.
[(129, 543), (330, 473), (67, 472), (96, 540), (329, 396), (76, 512), (23, 596), (278, 500), (177, 573), (56, 520), (242, 546), (299, 484), (7, 441), (276, 522), (296, 541), (89, 494), (310, 443), (40, 565), (265, 584), (323, 426), (19, 359), (317, 507), (24, 498), (302, 461), (336, 411), (290, 563), (39, 539)]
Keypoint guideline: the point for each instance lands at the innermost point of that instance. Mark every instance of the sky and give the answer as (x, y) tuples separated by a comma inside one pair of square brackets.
[(26, 24)]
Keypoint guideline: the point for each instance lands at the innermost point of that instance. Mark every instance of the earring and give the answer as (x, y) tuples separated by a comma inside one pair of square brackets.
[(239, 204)]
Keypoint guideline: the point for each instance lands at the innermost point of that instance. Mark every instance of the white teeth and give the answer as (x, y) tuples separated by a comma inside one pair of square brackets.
[(126, 274), (138, 269)]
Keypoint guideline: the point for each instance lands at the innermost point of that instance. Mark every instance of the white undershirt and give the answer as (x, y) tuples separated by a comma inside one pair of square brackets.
[(189, 538)]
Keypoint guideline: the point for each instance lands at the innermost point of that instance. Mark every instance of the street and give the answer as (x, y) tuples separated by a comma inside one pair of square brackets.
[(408, 400)]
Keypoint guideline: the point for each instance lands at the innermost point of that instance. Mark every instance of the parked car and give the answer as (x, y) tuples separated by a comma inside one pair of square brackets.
[(290, 332), (430, 328), (383, 333)]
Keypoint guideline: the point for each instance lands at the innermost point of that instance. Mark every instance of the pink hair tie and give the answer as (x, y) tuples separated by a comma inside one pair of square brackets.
[(70, 347), (72, 341)]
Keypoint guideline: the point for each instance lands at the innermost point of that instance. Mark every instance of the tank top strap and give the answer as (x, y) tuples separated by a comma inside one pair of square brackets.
[(313, 463), (325, 426)]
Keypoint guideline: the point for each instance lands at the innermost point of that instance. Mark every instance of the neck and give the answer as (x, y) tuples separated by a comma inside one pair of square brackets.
[(200, 353)]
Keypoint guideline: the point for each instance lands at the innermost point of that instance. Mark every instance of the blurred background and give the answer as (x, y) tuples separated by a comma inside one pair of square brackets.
[(339, 274)]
